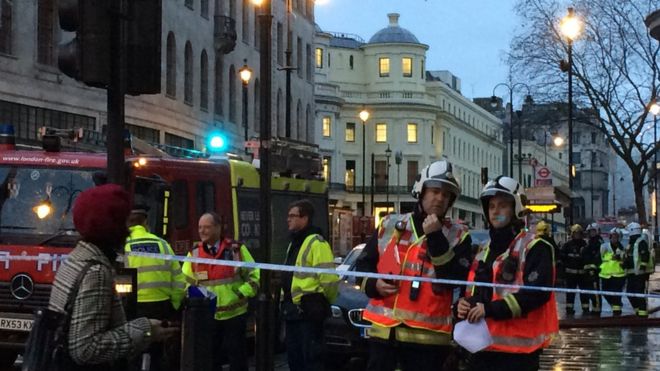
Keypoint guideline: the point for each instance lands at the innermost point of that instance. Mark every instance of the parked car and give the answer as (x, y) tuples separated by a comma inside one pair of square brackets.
[(345, 339)]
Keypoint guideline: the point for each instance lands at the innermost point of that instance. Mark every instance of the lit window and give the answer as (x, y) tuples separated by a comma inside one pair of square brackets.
[(350, 132), (326, 169), (406, 66), (384, 67), (412, 133), (327, 123), (381, 133), (319, 58)]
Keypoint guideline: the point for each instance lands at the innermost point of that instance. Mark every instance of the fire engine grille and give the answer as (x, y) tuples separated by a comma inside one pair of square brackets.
[(38, 299)]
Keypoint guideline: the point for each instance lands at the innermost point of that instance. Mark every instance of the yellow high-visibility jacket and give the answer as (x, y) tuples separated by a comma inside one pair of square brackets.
[(232, 286), (157, 279), (314, 252)]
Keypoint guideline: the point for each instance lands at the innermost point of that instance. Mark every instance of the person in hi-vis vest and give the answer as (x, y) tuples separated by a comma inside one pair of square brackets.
[(412, 320), (161, 283), (232, 286), (306, 296), (521, 322)]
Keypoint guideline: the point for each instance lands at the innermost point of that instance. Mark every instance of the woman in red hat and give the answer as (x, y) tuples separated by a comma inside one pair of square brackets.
[(98, 332)]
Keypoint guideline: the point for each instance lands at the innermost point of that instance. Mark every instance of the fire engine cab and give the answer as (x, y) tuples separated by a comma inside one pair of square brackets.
[(38, 189)]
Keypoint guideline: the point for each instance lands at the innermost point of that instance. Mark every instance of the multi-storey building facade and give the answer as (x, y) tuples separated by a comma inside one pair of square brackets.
[(416, 112), (200, 85)]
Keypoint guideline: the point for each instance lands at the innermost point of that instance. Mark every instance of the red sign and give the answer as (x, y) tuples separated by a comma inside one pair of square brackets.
[(543, 172)]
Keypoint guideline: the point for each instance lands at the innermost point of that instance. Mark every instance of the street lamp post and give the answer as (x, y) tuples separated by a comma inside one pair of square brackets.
[(245, 73), (265, 303), (570, 27), (398, 159), (388, 153), (528, 100), (655, 110), (364, 116)]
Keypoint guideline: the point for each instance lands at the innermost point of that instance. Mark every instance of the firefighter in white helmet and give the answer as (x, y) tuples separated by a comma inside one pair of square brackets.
[(521, 322), (412, 320)]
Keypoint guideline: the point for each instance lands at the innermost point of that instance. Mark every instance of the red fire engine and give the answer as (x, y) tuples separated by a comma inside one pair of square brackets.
[(38, 189)]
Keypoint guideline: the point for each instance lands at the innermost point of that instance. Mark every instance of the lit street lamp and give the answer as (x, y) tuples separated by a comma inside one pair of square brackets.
[(388, 153), (570, 27), (245, 73), (364, 116), (528, 100)]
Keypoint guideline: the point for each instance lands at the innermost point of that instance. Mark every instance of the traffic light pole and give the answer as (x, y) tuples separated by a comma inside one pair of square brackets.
[(116, 90), (265, 310)]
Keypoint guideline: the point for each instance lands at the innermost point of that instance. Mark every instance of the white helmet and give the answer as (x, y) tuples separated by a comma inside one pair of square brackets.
[(634, 229), (437, 175), (593, 226), (507, 186)]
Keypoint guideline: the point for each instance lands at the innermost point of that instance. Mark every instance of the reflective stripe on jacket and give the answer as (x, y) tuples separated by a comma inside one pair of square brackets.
[(641, 266), (520, 334), (314, 252), (157, 279), (610, 267), (232, 286), (430, 314)]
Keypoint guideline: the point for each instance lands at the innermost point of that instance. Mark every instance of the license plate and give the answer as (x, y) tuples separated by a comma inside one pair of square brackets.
[(15, 324)]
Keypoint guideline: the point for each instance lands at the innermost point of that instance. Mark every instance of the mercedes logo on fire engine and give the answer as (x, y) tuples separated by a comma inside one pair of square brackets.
[(21, 286)]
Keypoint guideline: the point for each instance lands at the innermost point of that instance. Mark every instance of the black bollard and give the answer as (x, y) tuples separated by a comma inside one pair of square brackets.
[(196, 334)]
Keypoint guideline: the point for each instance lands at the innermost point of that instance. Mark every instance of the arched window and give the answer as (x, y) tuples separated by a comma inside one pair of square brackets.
[(299, 121), (219, 69), (278, 120), (204, 81), (170, 77), (257, 107), (188, 75), (232, 94)]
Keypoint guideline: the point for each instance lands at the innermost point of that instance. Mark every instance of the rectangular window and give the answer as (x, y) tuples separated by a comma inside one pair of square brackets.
[(327, 124), (205, 197), (380, 176), (327, 161), (299, 55), (309, 67), (350, 132), (406, 66), (381, 133), (412, 133), (45, 32), (189, 3), (180, 203), (177, 141), (6, 13), (384, 67), (349, 180), (593, 138), (421, 69), (204, 4), (412, 172), (280, 44), (319, 58)]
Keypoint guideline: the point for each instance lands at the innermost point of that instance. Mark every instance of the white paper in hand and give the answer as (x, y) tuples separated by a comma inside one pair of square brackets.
[(472, 336)]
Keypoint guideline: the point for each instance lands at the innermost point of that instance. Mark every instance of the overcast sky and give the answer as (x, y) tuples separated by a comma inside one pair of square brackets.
[(466, 37)]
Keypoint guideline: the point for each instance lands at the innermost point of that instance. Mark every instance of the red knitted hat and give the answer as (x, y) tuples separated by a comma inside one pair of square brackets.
[(100, 213)]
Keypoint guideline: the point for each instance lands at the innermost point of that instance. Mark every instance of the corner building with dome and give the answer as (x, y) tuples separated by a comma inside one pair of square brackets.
[(417, 112)]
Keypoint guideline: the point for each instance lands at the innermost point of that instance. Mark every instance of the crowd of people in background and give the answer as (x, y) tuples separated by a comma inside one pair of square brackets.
[(613, 265)]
